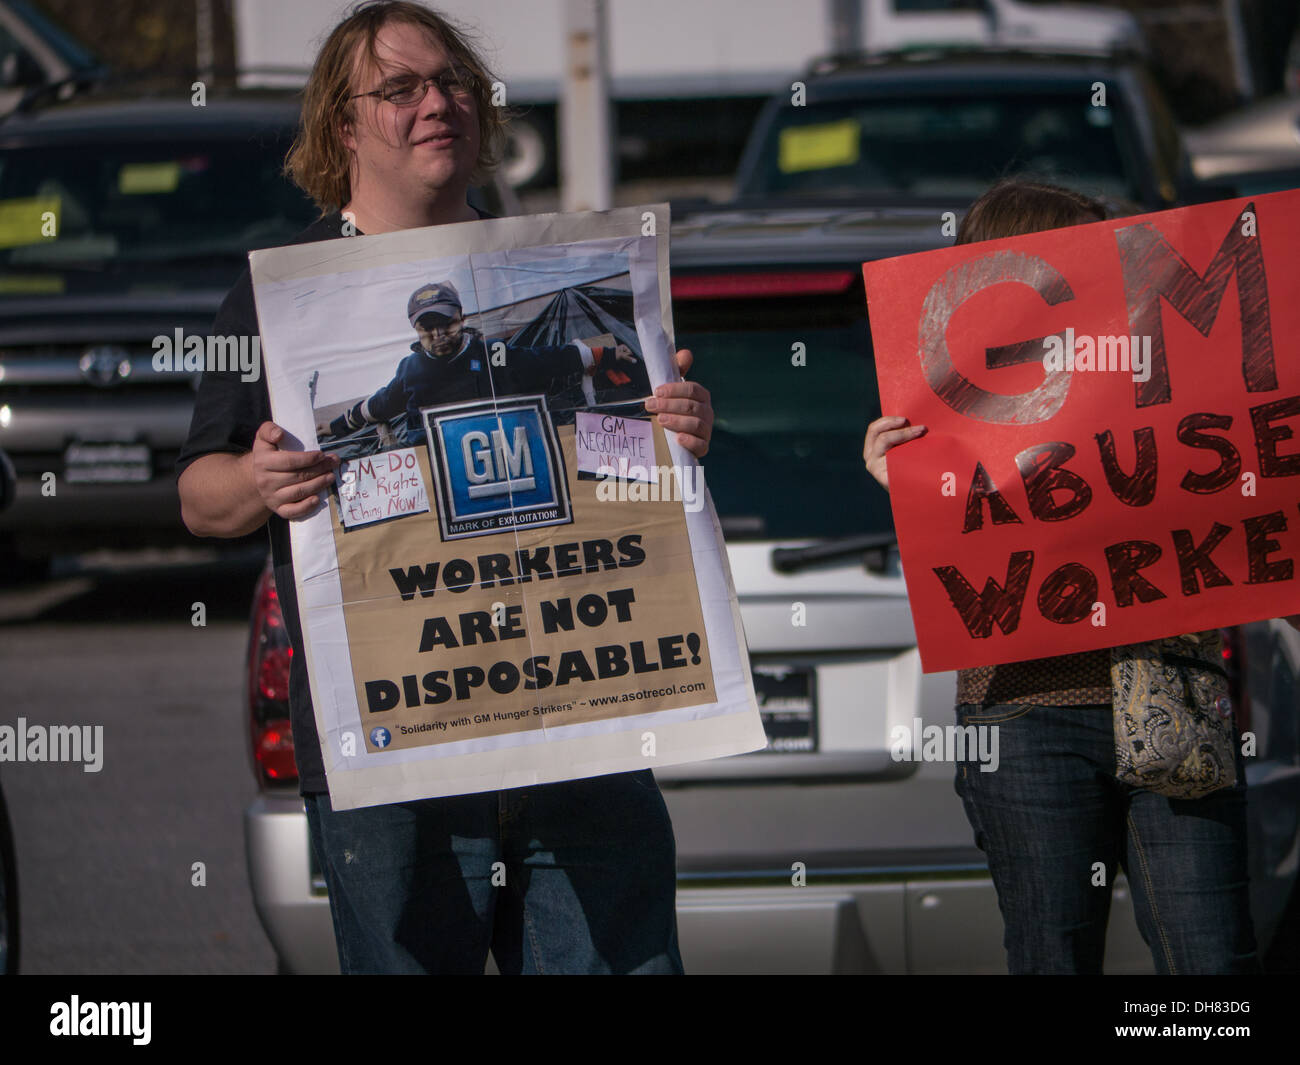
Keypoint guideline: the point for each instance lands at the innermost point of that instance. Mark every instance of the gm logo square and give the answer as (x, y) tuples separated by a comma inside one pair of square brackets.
[(497, 465)]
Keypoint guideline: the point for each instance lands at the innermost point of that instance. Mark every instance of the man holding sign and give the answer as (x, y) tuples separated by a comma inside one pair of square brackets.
[(577, 876), (1058, 816)]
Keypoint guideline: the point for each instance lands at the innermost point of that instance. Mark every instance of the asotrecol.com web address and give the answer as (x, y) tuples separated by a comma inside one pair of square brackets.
[(646, 693)]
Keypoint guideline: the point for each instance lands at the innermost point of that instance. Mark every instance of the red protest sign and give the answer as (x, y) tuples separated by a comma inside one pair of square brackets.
[(1113, 451)]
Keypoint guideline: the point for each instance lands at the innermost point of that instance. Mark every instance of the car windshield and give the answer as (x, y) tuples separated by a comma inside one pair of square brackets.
[(68, 207), (785, 461), (956, 145)]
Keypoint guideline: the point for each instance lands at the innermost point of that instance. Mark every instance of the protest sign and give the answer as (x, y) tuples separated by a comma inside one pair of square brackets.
[(1113, 409), (520, 578)]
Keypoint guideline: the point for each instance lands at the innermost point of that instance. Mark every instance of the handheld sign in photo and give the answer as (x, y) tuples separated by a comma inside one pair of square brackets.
[(519, 578), (1113, 409)]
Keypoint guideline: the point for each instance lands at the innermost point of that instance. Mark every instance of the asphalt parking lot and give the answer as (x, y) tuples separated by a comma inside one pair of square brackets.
[(107, 859)]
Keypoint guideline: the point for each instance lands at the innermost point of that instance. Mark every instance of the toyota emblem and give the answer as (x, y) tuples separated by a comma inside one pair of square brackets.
[(105, 365)]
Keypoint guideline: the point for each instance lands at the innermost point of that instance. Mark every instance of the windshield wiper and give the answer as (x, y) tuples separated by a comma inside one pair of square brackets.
[(874, 548)]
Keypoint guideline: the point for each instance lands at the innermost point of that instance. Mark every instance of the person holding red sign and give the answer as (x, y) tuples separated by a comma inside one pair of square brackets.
[(1054, 818)]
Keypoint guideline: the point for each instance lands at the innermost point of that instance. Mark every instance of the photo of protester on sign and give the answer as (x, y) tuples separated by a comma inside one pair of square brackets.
[(449, 359), (450, 362), (518, 571), (1111, 446)]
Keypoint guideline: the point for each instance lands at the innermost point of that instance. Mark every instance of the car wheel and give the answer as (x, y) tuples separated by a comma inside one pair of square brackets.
[(8, 896)]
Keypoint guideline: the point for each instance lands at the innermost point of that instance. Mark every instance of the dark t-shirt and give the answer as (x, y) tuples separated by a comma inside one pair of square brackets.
[(226, 416)]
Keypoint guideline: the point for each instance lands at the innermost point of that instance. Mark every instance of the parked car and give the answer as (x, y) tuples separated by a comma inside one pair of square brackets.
[(1256, 149), (37, 59), (127, 221), (894, 882), (945, 124), (134, 219)]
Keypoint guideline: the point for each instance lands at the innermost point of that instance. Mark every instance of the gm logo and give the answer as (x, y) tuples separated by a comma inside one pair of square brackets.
[(497, 465)]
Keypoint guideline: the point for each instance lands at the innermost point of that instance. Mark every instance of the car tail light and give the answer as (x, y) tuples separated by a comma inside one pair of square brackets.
[(761, 284), (269, 656), (1235, 664)]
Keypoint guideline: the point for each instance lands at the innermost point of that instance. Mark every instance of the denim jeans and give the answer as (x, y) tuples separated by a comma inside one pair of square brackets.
[(1052, 809), (575, 877)]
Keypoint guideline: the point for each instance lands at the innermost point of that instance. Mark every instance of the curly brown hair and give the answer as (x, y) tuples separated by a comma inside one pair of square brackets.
[(318, 162), (1017, 206)]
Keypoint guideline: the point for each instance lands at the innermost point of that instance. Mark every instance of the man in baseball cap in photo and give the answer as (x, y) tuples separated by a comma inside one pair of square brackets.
[(440, 298), (437, 318), (449, 363)]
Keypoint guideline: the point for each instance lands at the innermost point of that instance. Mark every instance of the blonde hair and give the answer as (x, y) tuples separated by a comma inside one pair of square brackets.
[(318, 162)]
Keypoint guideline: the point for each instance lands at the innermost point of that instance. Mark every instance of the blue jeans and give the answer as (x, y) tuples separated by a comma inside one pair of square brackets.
[(575, 877), (1052, 809)]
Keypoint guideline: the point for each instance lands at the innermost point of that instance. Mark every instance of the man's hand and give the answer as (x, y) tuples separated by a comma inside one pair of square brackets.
[(685, 407), (624, 354), (289, 482), (882, 434)]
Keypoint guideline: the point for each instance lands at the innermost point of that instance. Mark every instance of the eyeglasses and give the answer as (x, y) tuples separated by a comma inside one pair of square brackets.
[(410, 88)]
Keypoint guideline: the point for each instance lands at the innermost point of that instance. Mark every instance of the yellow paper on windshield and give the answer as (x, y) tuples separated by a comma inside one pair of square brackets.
[(28, 220), (819, 147), (146, 178), (31, 285)]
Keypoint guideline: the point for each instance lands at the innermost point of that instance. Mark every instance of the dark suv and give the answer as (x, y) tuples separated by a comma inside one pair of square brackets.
[(120, 223), (944, 125)]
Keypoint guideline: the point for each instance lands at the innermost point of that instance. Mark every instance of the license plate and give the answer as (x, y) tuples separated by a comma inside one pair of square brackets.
[(787, 702), (106, 463)]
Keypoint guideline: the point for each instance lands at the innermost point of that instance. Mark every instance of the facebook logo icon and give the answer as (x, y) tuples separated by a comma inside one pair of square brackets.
[(380, 737)]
